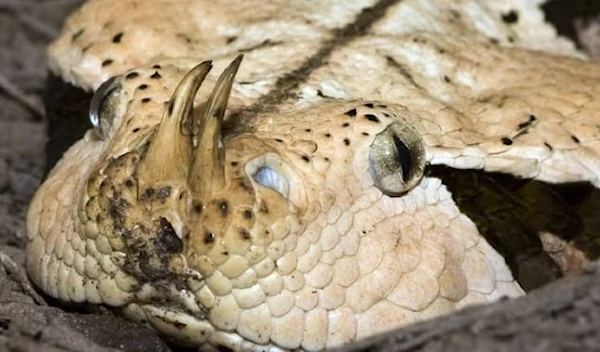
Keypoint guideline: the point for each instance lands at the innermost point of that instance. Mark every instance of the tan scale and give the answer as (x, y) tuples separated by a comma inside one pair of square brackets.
[(298, 228)]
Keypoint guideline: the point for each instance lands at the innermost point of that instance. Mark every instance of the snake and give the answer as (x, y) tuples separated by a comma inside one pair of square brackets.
[(257, 175)]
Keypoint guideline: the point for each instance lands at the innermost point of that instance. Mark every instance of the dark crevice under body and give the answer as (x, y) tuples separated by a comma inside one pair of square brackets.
[(511, 213)]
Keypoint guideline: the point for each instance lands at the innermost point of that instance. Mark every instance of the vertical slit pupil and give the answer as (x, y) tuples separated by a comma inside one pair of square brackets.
[(404, 157)]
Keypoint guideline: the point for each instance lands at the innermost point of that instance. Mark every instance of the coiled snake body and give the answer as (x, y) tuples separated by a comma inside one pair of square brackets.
[(284, 202)]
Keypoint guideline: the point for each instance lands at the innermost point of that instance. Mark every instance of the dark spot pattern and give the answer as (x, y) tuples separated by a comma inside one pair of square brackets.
[(156, 75), (506, 141), (148, 194), (107, 62), (117, 38), (511, 17), (244, 234), (351, 113), (248, 215), (372, 117), (209, 237), (369, 105), (132, 75), (143, 87), (575, 139), (528, 123), (146, 100), (346, 141)]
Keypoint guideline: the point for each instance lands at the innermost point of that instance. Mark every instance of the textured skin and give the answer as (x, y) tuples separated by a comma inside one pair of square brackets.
[(335, 260)]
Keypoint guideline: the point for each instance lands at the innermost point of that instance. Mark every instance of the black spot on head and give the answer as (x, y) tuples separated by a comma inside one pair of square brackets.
[(345, 124), (157, 67), (351, 113), (224, 208), (447, 79), (327, 135), (234, 163), (365, 133), (244, 234), (372, 117), (77, 34), (148, 194), (369, 105), (346, 141), (248, 215), (575, 139), (143, 87), (156, 75), (131, 75), (278, 140), (548, 146), (135, 130), (107, 62), (326, 159), (527, 123), (510, 17), (209, 237), (307, 130), (506, 141), (230, 40), (129, 183), (117, 38), (305, 158), (146, 100)]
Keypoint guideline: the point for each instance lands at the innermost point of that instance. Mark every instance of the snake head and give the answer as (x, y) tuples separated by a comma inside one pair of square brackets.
[(293, 228)]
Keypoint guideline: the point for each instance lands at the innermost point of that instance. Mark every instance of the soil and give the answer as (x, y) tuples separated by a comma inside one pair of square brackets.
[(563, 316)]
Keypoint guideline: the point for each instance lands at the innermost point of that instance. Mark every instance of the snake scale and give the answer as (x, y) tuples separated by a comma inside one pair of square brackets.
[(284, 200)]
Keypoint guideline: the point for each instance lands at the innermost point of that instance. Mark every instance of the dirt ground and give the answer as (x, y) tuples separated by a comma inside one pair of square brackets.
[(564, 316)]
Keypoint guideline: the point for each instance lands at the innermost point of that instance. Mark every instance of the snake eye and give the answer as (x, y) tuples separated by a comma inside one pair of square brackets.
[(103, 107), (267, 177), (397, 159)]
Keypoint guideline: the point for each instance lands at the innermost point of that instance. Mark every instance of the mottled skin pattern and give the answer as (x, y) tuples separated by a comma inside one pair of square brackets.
[(135, 216)]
